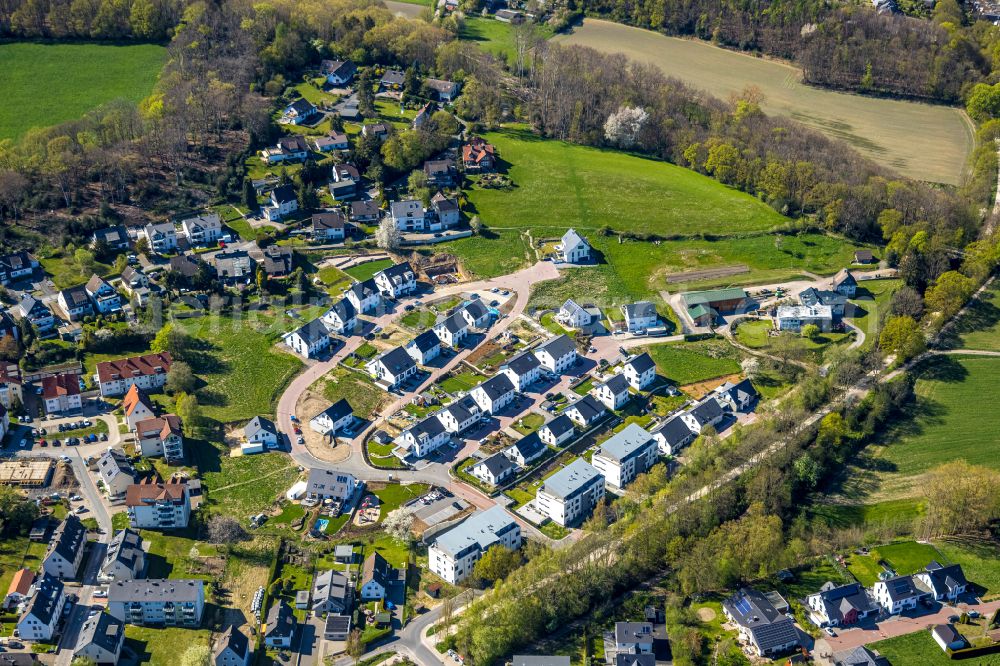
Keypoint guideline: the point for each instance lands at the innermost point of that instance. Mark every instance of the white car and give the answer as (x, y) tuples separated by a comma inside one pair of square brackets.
[(101, 594)]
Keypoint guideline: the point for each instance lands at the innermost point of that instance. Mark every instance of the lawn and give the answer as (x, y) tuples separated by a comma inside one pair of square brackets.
[(920, 648), (161, 647), (365, 398), (244, 485), (394, 495), (176, 554), (334, 279), (364, 271), (495, 36), (381, 455), (548, 320), (497, 252), (560, 185), (979, 327), (529, 423), (690, 362), (754, 334), (63, 270), (980, 560), (923, 141), (872, 300), (16, 553), (888, 512), (905, 558), (463, 381), (61, 82)]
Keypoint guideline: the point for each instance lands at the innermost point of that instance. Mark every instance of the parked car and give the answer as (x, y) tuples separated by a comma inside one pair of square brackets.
[(100, 594), (829, 631)]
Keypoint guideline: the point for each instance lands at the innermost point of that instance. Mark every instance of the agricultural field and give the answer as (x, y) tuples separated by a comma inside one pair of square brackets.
[(559, 185), (979, 327), (61, 82), (495, 36), (922, 141), (690, 362)]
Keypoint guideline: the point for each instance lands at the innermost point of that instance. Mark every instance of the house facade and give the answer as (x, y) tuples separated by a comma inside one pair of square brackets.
[(424, 348), (309, 340), (176, 602), (116, 471), (624, 456), (897, 594), (557, 355), (41, 616), (148, 372), (341, 318), (573, 248), (424, 437), (65, 551), (454, 554), (205, 229), (334, 418), (75, 303), (125, 559), (557, 431), (101, 639), (365, 296), (522, 370), (570, 495), (639, 371), (765, 630), (162, 237), (640, 316), (155, 505), (494, 394), (61, 393), (396, 281), (161, 436), (323, 484), (392, 368), (613, 393)]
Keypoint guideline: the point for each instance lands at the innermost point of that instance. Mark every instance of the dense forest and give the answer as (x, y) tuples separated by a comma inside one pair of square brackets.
[(838, 45)]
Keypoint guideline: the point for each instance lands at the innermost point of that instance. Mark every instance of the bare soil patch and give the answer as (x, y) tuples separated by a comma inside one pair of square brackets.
[(706, 274), (309, 405), (705, 614), (701, 389)]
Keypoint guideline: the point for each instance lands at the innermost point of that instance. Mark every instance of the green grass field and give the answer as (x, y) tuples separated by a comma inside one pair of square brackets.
[(905, 558), (365, 397), (244, 485), (498, 253), (362, 272), (920, 648), (979, 327), (754, 334), (923, 141), (47, 84), (495, 36), (690, 362), (559, 185), (162, 647), (873, 300)]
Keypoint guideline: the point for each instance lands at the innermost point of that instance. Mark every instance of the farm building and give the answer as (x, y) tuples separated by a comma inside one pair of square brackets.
[(721, 300)]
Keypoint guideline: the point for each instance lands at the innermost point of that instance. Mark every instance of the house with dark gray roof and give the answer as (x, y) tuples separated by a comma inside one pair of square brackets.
[(397, 280), (739, 397), (41, 615), (845, 283), (232, 648), (673, 434), (585, 411), (341, 318), (158, 602), (125, 559), (523, 370), (261, 431), (761, 626), (475, 313), (557, 431), (452, 330), (392, 367), (338, 415), (834, 299), (65, 551), (424, 437), (706, 413), (860, 656), (101, 639), (612, 392), (494, 470), (526, 450), (897, 594), (364, 296), (494, 394), (115, 238), (570, 495), (332, 592), (640, 316), (840, 605), (941, 582), (460, 415), (280, 626), (557, 354), (424, 348), (309, 340), (640, 371)]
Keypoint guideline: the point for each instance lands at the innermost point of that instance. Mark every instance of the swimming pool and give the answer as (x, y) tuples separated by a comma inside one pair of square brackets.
[(321, 524)]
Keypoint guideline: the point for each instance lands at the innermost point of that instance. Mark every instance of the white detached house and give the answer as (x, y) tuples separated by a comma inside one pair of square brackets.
[(494, 394), (309, 340), (612, 393), (573, 248), (557, 354), (639, 371)]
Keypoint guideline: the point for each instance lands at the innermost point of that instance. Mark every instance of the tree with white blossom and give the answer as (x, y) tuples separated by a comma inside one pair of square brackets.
[(624, 125)]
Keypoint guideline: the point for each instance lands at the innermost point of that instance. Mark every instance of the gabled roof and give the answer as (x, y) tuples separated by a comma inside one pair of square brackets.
[(522, 364), (706, 411), (641, 363), (134, 397), (425, 342), (70, 536), (134, 366), (259, 424), (498, 464), (571, 308), (497, 386), (396, 361), (186, 264), (571, 239), (393, 77), (377, 569), (337, 410), (104, 631), (235, 641), (57, 386), (814, 296), (751, 609), (302, 107), (588, 407), (862, 656), (283, 194), (114, 462), (739, 392), (943, 579), (280, 621), (453, 323), (48, 592), (339, 68), (21, 582), (140, 494), (843, 277), (674, 431), (164, 426), (344, 310), (443, 204), (840, 600), (399, 273), (462, 409), (616, 383), (528, 447), (331, 585), (475, 308), (900, 588), (312, 332), (332, 219), (365, 289), (429, 427), (557, 347), (125, 548), (76, 296), (639, 310), (364, 208), (559, 426)]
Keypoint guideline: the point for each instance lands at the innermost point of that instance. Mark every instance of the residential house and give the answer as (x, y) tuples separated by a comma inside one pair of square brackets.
[(177, 602), (204, 229), (309, 340), (446, 211), (341, 318), (739, 397), (640, 316), (277, 261), (76, 303), (633, 638), (36, 312), (585, 411), (446, 91), (423, 115), (65, 551), (337, 627), (861, 656), (398, 280), (155, 505), (380, 130), (19, 589), (767, 631), (338, 72), (569, 495), (674, 434), (15, 266), (494, 470), (106, 300), (941, 582), (947, 637), (283, 202), (324, 484), (148, 372), (188, 266), (845, 283), (232, 648), (288, 149), (708, 412), (299, 112), (526, 450), (392, 79), (441, 173), (453, 554), (408, 215), (133, 279), (475, 313), (836, 300), (332, 141), (8, 327), (392, 367), (113, 238), (556, 354), (613, 392), (424, 437), (41, 616), (624, 456), (234, 265), (864, 257), (840, 605), (573, 248), (137, 407), (125, 559), (116, 471), (897, 594), (346, 180), (365, 212), (522, 370), (262, 432), (424, 348), (376, 576), (364, 296), (795, 317), (335, 417), (100, 639), (494, 394), (161, 436), (332, 592), (11, 391), (557, 431), (573, 315), (61, 393), (639, 371), (162, 237), (460, 415), (452, 330), (329, 226), (478, 156)]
